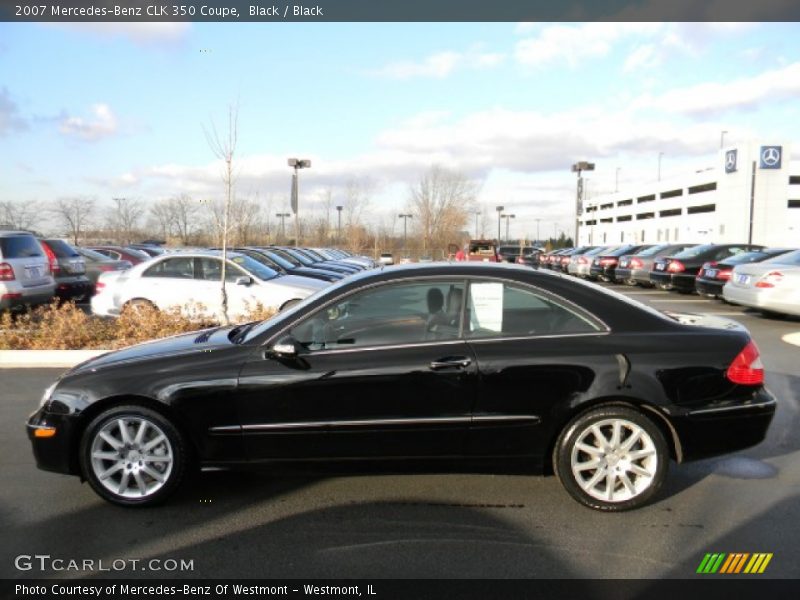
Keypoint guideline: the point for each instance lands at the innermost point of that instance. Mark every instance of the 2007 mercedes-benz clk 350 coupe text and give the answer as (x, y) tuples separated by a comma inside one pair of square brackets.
[(440, 362)]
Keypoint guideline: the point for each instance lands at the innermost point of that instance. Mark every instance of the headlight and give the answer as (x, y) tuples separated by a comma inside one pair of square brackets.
[(47, 393)]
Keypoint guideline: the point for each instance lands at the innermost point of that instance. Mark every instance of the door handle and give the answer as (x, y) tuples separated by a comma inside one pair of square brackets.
[(459, 362)]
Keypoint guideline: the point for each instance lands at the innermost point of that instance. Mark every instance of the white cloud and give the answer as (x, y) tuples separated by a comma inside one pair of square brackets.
[(440, 64), (705, 99), (102, 123), (143, 34)]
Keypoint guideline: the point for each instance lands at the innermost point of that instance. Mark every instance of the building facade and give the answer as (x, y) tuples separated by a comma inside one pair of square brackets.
[(751, 195)]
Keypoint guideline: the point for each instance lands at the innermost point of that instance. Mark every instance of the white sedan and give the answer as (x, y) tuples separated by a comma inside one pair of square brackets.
[(772, 285), (191, 282)]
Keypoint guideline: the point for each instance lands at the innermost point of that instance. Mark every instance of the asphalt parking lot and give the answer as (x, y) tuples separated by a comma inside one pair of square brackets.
[(431, 525)]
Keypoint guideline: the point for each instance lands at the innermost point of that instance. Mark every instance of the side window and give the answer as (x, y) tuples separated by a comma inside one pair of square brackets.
[(390, 314), (211, 270), (496, 309), (179, 267)]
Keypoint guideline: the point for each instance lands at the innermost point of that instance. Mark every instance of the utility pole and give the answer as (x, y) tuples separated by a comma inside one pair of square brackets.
[(297, 164), (282, 217), (339, 228), (499, 210), (580, 167), (405, 217)]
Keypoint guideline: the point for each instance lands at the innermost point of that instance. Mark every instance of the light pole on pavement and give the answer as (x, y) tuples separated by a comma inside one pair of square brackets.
[(297, 164), (405, 217)]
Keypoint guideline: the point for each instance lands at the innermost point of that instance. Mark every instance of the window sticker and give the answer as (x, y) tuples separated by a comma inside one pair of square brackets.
[(487, 306)]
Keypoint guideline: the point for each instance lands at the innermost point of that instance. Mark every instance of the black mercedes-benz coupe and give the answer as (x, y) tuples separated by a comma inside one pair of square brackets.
[(443, 362)]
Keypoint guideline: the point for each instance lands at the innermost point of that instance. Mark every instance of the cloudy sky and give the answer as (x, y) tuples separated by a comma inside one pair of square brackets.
[(105, 110)]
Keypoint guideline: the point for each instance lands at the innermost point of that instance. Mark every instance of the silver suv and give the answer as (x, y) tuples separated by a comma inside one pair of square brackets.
[(25, 276)]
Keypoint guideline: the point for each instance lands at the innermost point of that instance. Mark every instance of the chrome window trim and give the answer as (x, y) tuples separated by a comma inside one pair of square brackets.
[(467, 280)]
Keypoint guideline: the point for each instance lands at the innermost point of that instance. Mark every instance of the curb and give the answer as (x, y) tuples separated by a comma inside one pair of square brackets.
[(45, 359)]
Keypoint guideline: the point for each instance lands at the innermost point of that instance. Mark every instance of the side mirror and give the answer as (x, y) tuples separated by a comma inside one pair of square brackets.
[(243, 280), (284, 348)]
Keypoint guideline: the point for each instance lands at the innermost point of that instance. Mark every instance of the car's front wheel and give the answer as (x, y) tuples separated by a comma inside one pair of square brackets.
[(133, 456), (611, 458)]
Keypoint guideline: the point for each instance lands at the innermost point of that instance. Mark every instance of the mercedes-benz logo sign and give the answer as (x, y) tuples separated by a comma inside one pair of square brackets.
[(730, 161), (771, 156)]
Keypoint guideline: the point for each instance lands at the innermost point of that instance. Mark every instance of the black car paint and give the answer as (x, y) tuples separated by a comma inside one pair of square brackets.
[(684, 281), (512, 399)]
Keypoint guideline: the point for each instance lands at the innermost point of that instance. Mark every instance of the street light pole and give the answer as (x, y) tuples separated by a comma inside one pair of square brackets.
[(405, 217), (499, 210), (580, 167), (297, 164), (507, 218), (282, 217), (339, 227)]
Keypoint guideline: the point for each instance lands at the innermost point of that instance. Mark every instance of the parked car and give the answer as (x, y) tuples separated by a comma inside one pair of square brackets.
[(530, 259), (284, 267), (551, 259), (678, 271), (317, 262), (443, 362), (365, 262), (604, 264), (713, 276), (634, 269), (511, 253), (191, 282), (583, 263), (69, 270), (482, 251), (97, 263), (25, 275), (773, 286), (386, 258), (283, 257), (571, 256), (132, 255), (149, 249)]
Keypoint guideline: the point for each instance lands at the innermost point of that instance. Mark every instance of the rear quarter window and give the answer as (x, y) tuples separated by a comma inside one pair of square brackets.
[(62, 249), (19, 246)]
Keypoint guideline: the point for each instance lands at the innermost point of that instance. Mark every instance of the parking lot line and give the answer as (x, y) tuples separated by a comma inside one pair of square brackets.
[(792, 338)]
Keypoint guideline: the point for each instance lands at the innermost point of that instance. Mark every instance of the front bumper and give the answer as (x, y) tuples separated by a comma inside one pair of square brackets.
[(711, 431), (58, 452)]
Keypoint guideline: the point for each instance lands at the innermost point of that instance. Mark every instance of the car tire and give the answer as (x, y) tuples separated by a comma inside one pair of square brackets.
[(138, 304), (133, 456), (771, 314), (611, 459)]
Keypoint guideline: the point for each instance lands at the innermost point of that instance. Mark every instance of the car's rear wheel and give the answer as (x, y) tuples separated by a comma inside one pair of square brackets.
[(138, 305), (611, 458), (133, 456)]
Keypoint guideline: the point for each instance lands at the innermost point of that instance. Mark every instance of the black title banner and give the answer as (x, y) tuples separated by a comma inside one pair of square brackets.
[(395, 10)]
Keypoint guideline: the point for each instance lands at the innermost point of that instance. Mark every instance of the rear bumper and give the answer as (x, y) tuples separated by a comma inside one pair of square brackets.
[(19, 297), (728, 428), (763, 298), (709, 288), (673, 281), (74, 287)]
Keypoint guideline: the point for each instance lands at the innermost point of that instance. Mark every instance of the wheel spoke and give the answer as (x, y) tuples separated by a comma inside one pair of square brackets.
[(153, 443), (153, 473), (594, 480), (110, 471), (593, 450), (639, 471), (123, 430), (599, 436), (140, 483), (140, 433), (585, 466), (152, 458), (640, 454), (627, 483), (111, 440), (123, 483), (105, 455), (611, 481), (616, 434), (632, 439)]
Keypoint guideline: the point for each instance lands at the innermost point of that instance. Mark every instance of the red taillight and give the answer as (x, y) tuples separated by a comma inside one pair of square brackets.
[(747, 368), (583, 260), (99, 286), (6, 272), (675, 266), (724, 274), (607, 262), (636, 263), (55, 268), (770, 279), (14, 296)]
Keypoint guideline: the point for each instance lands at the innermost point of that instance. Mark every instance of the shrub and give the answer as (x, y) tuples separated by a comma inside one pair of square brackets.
[(67, 327)]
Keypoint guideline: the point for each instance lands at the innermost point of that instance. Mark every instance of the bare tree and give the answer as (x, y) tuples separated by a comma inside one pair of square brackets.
[(73, 215), (161, 215), (20, 215), (356, 201), (441, 203), (124, 217), (224, 148)]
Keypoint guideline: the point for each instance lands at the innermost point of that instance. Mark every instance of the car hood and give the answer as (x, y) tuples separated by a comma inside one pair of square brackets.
[(185, 343), (300, 283)]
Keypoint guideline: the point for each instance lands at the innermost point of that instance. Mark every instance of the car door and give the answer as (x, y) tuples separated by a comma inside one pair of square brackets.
[(170, 283), (382, 372), (535, 354)]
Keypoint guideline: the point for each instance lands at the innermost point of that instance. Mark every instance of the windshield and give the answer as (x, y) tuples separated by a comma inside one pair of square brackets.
[(254, 267), (653, 251), (61, 248), (791, 258), (299, 256), (93, 255)]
